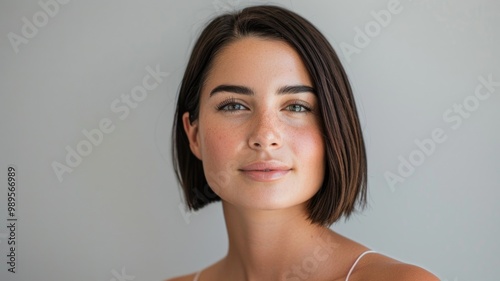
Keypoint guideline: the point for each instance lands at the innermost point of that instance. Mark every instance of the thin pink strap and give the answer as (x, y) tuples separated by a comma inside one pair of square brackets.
[(356, 262), (197, 276)]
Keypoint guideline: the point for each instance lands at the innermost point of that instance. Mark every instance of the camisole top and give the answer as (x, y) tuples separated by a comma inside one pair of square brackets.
[(348, 274)]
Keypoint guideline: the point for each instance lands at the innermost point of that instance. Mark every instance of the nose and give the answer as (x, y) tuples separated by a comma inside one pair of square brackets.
[(265, 134)]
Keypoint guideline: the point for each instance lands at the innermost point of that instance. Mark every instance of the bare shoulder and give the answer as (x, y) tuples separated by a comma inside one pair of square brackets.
[(400, 272), (188, 277), (379, 267), (383, 268)]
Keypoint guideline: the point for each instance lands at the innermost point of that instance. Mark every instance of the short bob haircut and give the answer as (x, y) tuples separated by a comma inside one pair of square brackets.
[(345, 181)]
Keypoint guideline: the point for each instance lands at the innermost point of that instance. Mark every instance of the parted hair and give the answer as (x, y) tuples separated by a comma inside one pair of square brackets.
[(344, 185)]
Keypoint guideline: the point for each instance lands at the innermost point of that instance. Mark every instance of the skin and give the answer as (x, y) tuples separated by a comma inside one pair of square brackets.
[(260, 216)]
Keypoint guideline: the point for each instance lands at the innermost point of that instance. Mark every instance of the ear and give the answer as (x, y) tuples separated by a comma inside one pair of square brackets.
[(192, 134)]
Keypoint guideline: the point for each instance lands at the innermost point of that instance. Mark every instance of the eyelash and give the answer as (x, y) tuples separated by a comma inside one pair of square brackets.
[(232, 101)]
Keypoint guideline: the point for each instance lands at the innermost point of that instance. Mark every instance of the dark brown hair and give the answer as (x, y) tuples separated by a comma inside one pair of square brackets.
[(345, 181)]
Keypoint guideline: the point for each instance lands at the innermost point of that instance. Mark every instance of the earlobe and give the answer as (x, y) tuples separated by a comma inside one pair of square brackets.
[(191, 130)]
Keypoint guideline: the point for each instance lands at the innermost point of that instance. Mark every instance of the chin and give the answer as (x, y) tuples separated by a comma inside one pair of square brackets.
[(269, 199)]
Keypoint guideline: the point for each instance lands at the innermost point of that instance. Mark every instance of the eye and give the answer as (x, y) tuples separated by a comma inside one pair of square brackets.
[(229, 105), (298, 108)]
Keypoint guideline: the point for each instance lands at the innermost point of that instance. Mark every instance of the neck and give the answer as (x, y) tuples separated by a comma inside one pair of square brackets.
[(274, 244)]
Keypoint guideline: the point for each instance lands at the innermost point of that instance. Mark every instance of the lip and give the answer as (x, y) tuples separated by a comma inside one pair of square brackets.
[(266, 171), (268, 166)]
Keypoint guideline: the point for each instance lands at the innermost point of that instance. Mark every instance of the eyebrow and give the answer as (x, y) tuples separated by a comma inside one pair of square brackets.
[(293, 89)]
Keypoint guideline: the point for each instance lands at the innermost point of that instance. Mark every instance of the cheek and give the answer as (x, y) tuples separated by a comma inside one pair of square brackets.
[(217, 144), (308, 146), (219, 159)]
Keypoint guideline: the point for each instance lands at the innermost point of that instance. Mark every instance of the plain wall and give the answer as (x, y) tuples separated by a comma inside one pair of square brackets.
[(119, 212)]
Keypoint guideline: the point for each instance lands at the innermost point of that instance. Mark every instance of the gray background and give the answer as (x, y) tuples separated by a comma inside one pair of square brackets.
[(120, 210)]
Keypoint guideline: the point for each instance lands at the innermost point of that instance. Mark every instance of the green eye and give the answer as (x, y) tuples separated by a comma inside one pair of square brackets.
[(298, 108), (229, 105)]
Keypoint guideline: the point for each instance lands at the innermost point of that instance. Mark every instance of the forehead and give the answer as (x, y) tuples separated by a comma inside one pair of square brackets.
[(254, 60)]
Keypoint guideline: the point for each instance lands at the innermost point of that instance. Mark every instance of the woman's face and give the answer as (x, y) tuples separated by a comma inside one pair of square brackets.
[(257, 106)]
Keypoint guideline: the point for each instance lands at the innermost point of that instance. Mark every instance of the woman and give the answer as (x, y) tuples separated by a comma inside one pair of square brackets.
[(266, 123)]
